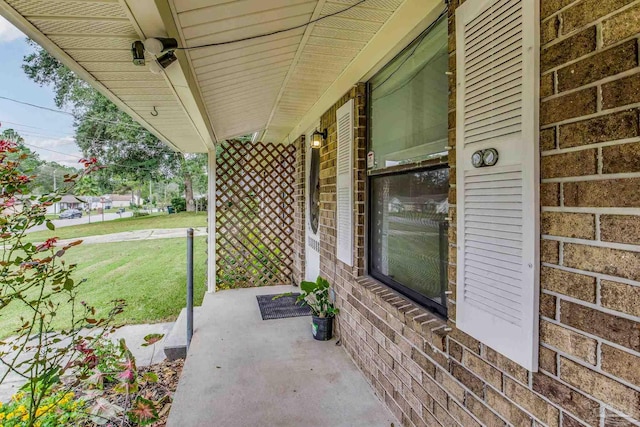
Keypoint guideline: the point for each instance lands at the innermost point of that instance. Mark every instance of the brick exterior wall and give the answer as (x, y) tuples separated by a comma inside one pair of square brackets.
[(590, 221), (298, 257), (328, 156), (427, 371)]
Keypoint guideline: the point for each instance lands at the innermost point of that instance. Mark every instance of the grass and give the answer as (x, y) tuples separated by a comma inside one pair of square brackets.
[(158, 220), (150, 275)]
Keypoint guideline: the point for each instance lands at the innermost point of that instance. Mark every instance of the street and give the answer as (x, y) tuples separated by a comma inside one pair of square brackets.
[(84, 220)]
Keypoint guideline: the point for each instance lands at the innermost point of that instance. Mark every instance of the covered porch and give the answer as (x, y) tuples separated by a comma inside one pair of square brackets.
[(472, 198), (245, 371)]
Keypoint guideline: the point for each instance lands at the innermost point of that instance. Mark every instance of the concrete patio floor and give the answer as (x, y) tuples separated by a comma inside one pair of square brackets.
[(244, 371)]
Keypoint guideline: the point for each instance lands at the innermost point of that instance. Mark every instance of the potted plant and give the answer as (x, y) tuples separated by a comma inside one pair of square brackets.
[(316, 296)]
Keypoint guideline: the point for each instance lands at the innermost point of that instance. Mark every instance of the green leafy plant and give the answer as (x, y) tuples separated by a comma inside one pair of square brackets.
[(59, 408), (116, 366), (316, 296), (179, 204), (37, 277)]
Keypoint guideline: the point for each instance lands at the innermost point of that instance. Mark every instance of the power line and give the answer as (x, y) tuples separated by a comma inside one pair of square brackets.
[(92, 141), (79, 158), (43, 135), (26, 126), (53, 151), (95, 119), (36, 106), (313, 21)]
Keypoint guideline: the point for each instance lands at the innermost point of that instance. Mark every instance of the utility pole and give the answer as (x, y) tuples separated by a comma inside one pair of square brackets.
[(55, 188)]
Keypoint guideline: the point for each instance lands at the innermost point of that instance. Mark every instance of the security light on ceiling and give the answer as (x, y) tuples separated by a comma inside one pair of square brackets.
[(137, 51), (317, 138), (158, 46), (158, 66)]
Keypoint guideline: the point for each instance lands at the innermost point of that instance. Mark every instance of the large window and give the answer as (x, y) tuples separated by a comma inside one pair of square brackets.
[(409, 181)]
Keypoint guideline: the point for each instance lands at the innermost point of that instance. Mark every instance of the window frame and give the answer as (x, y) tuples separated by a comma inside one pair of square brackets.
[(435, 163)]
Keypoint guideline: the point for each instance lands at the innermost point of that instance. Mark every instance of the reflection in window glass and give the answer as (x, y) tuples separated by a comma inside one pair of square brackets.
[(408, 239), (409, 102)]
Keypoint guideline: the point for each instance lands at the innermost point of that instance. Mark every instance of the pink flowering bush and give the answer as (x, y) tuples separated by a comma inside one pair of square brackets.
[(37, 277)]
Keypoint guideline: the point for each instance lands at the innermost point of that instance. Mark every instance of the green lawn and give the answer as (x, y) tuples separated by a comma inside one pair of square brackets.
[(160, 220), (150, 275)]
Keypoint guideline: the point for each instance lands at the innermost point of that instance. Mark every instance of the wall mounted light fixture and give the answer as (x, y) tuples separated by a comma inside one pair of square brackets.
[(318, 138)]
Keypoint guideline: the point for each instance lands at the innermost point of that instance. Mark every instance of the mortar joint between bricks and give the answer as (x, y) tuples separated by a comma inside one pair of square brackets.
[(599, 38), (599, 97), (600, 161)]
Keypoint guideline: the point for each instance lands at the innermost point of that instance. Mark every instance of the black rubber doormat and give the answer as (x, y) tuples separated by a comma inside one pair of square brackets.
[(281, 308)]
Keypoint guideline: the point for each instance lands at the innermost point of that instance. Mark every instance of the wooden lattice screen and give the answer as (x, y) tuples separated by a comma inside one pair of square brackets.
[(254, 214)]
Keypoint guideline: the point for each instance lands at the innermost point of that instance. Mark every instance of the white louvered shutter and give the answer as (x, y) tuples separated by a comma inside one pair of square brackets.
[(497, 50), (344, 184)]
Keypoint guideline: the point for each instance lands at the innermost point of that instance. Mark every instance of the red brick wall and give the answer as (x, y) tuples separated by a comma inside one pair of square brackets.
[(427, 371)]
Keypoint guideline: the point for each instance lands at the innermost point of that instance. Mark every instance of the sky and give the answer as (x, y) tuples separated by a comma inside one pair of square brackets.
[(42, 130)]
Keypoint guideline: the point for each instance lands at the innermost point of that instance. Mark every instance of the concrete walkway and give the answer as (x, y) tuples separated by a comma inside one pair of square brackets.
[(128, 236), (134, 337), (243, 371)]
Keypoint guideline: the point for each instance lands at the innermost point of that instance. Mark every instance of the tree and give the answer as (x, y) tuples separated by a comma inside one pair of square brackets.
[(193, 167), (13, 136), (29, 161), (102, 130), (47, 176), (50, 176)]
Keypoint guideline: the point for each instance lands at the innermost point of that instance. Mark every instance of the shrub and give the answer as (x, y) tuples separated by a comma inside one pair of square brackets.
[(179, 204), (59, 408), (37, 277)]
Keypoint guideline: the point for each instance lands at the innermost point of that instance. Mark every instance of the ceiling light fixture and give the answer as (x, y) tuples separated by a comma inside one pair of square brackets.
[(158, 46)]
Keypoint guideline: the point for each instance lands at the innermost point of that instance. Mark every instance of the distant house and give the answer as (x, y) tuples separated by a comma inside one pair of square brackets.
[(95, 202), (123, 200), (69, 201)]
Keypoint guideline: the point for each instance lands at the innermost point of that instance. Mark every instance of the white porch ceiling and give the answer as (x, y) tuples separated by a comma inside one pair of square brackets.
[(97, 36), (275, 85), (268, 84)]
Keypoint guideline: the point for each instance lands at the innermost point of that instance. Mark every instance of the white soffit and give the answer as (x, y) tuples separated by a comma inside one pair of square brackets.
[(93, 38), (269, 83)]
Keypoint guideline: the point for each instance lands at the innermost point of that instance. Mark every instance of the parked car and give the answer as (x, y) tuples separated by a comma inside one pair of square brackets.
[(71, 213)]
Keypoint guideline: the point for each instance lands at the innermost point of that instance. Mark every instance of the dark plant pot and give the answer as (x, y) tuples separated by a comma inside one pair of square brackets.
[(322, 328)]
